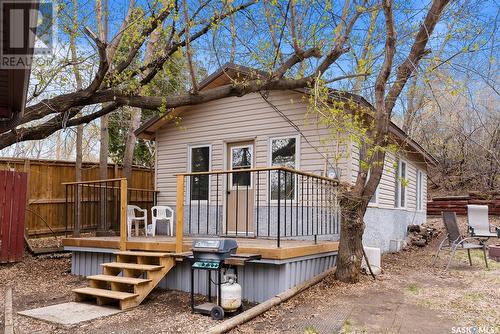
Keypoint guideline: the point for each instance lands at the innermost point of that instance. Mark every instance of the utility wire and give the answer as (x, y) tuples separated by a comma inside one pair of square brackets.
[(296, 127)]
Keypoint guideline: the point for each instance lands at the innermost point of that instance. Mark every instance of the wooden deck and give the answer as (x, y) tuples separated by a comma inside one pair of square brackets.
[(265, 247)]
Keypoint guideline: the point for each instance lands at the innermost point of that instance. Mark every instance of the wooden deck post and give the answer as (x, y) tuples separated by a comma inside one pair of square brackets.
[(123, 214), (179, 208)]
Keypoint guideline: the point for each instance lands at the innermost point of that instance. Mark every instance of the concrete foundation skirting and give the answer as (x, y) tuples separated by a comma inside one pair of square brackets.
[(260, 280), (386, 228)]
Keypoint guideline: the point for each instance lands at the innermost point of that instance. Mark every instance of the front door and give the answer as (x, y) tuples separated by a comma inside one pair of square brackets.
[(240, 190)]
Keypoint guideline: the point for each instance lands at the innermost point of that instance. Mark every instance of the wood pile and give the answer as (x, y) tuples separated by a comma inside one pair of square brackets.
[(458, 204), (420, 235)]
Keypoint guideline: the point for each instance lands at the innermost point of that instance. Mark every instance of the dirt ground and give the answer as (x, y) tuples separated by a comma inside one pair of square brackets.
[(410, 296)]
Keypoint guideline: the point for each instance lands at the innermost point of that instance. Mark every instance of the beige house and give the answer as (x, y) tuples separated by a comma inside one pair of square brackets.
[(249, 136), (258, 169)]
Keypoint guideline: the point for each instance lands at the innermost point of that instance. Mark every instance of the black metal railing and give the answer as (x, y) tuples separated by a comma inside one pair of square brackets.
[(94, 206), (275, 203)]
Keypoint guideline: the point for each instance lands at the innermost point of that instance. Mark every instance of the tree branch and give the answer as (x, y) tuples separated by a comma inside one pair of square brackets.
[(417, 51), (56, 123)]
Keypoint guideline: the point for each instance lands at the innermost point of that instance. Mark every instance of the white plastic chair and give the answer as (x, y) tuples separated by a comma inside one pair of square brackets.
[(477, 219), (161, 212), (131, 217)]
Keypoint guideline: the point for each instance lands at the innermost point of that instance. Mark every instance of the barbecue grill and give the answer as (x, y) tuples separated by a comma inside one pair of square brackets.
[(209, 255)]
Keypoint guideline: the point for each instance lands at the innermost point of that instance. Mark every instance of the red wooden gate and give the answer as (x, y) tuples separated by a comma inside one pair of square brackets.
[(13, 187)]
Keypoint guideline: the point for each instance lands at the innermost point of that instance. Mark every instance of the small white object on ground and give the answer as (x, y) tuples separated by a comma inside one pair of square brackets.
[(71, 313), (373, 255)]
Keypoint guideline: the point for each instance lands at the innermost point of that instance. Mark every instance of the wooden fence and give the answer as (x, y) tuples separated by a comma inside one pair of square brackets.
[(13, 187), (46, 193), (458, 204)]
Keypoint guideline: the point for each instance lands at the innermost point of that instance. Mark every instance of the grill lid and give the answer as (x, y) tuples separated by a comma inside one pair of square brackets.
[(214, 249)]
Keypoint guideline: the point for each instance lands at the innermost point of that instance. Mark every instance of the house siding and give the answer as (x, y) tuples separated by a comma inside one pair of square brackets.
[(240, 119), (233, 119), (386, 225)]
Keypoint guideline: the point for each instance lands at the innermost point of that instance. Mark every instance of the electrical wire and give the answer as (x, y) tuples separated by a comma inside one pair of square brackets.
[(297, 128)]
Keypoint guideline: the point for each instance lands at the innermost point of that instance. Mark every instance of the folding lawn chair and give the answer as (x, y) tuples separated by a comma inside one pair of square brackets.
[(477, 219), (456, 241)]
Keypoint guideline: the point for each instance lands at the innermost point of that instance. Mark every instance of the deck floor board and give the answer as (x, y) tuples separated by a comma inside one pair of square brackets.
[(267, 248)]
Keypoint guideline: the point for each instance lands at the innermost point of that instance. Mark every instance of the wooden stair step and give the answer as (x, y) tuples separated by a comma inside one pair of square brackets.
[(135, 266), (105, 293), (119, 279), (145, 254)]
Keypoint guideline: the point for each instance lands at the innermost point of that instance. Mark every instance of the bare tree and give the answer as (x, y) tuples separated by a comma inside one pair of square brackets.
[(355, 201), (307, 61), (136, 113)]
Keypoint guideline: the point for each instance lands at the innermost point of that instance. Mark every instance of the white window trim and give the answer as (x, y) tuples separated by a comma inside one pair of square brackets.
[(189, 170), (270, 164), (398, 184), (252, 165)]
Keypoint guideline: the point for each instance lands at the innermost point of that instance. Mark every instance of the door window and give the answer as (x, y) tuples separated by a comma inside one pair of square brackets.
[(241, 158)]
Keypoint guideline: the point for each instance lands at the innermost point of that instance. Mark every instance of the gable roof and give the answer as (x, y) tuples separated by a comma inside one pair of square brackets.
[(231, 72)]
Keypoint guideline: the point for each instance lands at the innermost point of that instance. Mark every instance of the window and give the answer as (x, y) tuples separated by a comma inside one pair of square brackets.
[(199, 161), (400, 185), (420, 188), (283, 152), (241, 158), (373, 199), (362, 157)]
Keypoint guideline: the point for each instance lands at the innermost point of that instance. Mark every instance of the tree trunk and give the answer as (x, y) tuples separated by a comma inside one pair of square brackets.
[(351, 241), (79, 152), (79, 129), (78, 176), (128, 154), (103, 168)]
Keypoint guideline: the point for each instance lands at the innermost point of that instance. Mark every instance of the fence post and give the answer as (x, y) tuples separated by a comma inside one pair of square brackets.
[(76, 206), (123, 214), (66, 210), (279, 208), (179, 208)]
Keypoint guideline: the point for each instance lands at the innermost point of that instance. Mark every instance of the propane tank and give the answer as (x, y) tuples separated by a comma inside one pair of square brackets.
[(230, 294)]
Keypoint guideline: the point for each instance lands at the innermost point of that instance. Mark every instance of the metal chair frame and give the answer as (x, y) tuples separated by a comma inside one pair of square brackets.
[(458, 242)]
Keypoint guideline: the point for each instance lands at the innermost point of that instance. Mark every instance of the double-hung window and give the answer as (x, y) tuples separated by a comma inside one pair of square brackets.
[(400, 184), (283, 153), (362, 155), (199, 161), (420, 188)]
